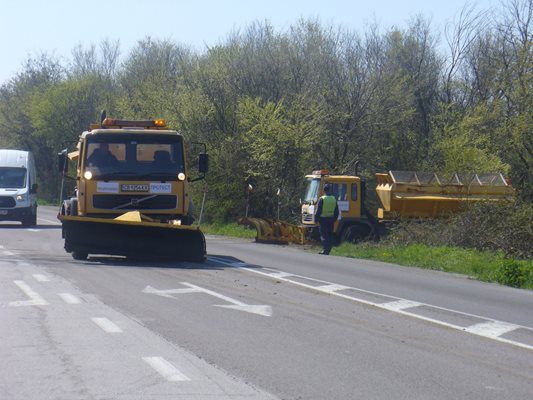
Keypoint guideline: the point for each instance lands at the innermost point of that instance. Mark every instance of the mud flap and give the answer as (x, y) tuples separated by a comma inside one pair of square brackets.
[(133, 239)]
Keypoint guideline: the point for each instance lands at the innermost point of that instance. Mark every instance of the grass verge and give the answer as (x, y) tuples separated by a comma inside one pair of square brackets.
[(482, 265), (234, 230)]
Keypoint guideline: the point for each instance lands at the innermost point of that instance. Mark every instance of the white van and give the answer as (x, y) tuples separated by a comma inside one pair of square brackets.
[(18, 189)]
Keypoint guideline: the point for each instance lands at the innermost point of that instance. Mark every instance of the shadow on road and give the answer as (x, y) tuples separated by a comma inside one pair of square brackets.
[(214, 262), (20, 227)]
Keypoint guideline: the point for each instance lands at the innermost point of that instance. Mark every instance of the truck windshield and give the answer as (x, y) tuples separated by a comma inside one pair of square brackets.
[(311, 191), (12, 177), (154, 157)]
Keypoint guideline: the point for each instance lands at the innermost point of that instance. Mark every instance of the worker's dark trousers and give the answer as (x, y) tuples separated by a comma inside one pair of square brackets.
[(326, 233)]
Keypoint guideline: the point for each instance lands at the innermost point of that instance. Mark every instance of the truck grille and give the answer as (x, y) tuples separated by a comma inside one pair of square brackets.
[(134, 202), (7, 201)]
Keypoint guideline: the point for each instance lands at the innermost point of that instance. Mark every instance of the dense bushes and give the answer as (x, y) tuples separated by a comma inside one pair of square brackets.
[(483, 226)]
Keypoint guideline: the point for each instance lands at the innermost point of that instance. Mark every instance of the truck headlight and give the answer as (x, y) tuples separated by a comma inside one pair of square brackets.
[(21, 197)]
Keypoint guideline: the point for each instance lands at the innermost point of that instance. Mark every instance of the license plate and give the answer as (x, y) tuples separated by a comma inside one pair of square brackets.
[(3, 212), (134, 188)]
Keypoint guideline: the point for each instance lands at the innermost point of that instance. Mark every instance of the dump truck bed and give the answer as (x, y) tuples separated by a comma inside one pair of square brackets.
[(410, 194)]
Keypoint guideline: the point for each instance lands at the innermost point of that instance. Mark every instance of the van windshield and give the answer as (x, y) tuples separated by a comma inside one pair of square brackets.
[(12, 177)]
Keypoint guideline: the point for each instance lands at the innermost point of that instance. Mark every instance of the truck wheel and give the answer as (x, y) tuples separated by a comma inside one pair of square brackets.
[(73, 209), (79, 255), (356, 233)]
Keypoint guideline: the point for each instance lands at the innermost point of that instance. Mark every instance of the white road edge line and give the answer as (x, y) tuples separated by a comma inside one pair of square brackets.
[(106, 325), (166, 369), (41, 278), (69, 298), (491, 329), (36, 299)]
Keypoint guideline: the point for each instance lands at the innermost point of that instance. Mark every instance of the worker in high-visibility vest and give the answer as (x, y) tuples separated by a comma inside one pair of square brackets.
[(327, 212)]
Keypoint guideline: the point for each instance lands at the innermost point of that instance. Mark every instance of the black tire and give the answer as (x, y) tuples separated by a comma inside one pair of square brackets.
[(73, 209), (356, 233), (30, 220), (79, 255)]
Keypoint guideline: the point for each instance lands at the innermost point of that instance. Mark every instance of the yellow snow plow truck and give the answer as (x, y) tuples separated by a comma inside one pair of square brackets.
[(402, 194), (131, 196)]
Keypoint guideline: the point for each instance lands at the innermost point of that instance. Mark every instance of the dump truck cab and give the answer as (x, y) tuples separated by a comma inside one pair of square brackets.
[(349, 190), (131, 179)]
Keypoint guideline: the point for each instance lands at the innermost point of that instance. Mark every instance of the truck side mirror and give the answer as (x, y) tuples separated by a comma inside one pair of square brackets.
[(62, 162), (203, 163), (34, 188)]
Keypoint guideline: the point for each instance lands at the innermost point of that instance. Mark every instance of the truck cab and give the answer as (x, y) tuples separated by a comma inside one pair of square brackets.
[(18, 187), (121, 168), (353, 224)]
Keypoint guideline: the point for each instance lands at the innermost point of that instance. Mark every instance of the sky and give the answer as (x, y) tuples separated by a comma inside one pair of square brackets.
[(55, 27)]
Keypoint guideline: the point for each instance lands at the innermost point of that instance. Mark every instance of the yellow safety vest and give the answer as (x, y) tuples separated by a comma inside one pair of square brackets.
[(328, 206)]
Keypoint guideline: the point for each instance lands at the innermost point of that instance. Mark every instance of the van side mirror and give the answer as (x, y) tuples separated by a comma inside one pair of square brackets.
[(34, 188), (203, 163), (62, 162)]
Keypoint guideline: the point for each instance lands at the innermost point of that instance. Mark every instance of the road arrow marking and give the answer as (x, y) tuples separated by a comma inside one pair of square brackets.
[(263, 310), (169, 292)]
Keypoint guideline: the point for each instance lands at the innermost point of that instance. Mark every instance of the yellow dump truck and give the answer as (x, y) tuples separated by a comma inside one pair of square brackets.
[(132, 196), (403, 195)]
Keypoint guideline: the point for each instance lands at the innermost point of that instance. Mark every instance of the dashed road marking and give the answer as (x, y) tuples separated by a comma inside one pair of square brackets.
[(106, 325), (166, 369), (69, 298), (331, 288), (400, 305), (36, 299), (491, 329)]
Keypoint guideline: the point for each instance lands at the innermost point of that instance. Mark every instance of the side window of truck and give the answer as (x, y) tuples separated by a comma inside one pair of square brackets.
[(354, 191)]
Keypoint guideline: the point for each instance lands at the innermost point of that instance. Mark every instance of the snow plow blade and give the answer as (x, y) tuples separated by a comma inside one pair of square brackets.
[(274, 231), (132, 236)]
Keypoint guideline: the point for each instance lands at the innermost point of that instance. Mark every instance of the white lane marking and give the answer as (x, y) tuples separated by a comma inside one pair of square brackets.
[(41, 278), (481, 330), (33, 230), (166, 369), (106, 325), (280, 274), (400, 305), (332, 288), (36, 299), (492, 328), (8, 253), (69, 298)]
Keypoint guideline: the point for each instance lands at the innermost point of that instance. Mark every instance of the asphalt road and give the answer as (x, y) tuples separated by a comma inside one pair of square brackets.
[(253, 322)]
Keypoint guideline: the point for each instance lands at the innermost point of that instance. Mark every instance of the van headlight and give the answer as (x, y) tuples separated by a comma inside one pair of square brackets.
[(21, 197)]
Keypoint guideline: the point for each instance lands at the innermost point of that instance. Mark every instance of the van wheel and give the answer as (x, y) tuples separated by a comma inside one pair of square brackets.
[(79, 255), (30, 220)]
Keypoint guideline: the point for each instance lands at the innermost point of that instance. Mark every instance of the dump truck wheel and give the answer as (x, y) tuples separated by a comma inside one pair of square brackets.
[(79, 255)]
